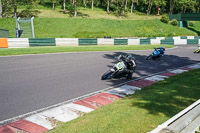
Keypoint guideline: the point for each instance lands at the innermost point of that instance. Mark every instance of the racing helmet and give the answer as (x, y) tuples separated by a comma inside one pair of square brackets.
[(129, 58), (163, 47)]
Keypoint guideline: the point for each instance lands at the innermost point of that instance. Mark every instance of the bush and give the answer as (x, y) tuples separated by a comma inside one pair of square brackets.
[(191, 23), (164, 19), (174, 22)]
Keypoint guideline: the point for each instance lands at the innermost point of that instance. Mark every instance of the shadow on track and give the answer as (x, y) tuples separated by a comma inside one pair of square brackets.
[(147, 67), (159, 99)]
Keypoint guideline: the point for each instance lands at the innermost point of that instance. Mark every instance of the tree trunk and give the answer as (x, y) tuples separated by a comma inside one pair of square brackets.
[(108, 6), (64, 6), (1, 11), (121, 8), (53, 5), (92, 4), (15, 8), (126, 2), (149, 7), (171, 8), (84, 2), (132, 7), (75, 8)]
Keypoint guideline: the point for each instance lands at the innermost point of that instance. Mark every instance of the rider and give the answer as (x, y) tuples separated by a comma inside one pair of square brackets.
[(162, 50), (130, 63)]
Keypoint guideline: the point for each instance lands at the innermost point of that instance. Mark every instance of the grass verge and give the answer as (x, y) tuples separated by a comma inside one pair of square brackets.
[(141, 112), (57, 49), (98, 28)]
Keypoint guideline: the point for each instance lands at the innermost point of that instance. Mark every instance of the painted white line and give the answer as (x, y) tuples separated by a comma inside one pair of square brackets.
[(124, 90), (178, 71), (156, 78)]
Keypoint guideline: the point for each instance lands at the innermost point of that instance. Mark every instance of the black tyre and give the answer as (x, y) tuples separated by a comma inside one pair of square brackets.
[(149, 57), (107, 75)]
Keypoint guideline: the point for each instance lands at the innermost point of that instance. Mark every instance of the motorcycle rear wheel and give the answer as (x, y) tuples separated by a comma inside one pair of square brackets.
[(107, 75)]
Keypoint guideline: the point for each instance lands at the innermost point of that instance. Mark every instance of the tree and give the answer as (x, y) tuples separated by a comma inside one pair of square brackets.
[(6, 8), (53, 3), (171, 6), (75, 8), (92, 4), (133, 2), (1, 12), (108, 6), (150, 4), (64, 6)]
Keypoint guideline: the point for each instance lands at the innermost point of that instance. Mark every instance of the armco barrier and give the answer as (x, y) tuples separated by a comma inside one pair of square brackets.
[(167, 41), (120, 41), (3, 43), (66, 41), (192, 41), (25, 42), (87, 41), (145, 41), (42, 42), (134, 41), (155, 41), (180, 41), (105, 41), (18, 43)]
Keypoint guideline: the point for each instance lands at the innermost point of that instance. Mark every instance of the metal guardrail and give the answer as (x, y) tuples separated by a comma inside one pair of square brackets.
[(187, 121)]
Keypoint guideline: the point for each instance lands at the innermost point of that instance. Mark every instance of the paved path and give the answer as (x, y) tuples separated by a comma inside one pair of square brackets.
[(32, 82)]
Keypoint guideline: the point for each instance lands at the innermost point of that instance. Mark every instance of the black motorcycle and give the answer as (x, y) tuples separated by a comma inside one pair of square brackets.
[(119, 69)]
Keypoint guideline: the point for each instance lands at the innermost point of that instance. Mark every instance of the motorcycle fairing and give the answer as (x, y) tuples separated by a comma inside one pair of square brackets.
[(120, 65), (156, 53)]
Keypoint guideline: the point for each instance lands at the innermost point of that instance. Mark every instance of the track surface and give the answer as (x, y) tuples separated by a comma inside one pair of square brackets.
[(32, 82)]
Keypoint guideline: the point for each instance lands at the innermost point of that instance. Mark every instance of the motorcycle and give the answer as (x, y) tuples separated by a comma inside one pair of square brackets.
[(197, 51), (158, 52), (119, 69)]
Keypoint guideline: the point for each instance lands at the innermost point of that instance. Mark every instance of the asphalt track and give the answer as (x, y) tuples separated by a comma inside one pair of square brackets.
[(32, 82)]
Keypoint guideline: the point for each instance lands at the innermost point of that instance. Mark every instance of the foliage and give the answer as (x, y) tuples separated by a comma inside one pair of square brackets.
[(191, 23), (164, 19), (174, 22), (116, 6)]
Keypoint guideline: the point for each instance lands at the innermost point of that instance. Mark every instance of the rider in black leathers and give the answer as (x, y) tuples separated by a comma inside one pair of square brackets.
[(130, 63)]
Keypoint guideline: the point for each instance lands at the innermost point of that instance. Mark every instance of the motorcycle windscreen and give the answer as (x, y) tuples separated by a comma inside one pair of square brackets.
[(120, 66)]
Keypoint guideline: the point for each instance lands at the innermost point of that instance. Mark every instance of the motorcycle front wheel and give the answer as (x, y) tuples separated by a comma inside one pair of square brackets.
[(149, 57), (107, 75), (197, 51)]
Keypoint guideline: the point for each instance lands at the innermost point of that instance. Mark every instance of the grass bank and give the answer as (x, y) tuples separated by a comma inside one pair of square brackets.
[(98, 28), (141, 112), (56, 49)]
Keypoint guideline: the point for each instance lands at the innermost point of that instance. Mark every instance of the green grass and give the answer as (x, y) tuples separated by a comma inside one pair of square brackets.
[(141, 112), (96, 13), (58, 49), (98, 28)]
